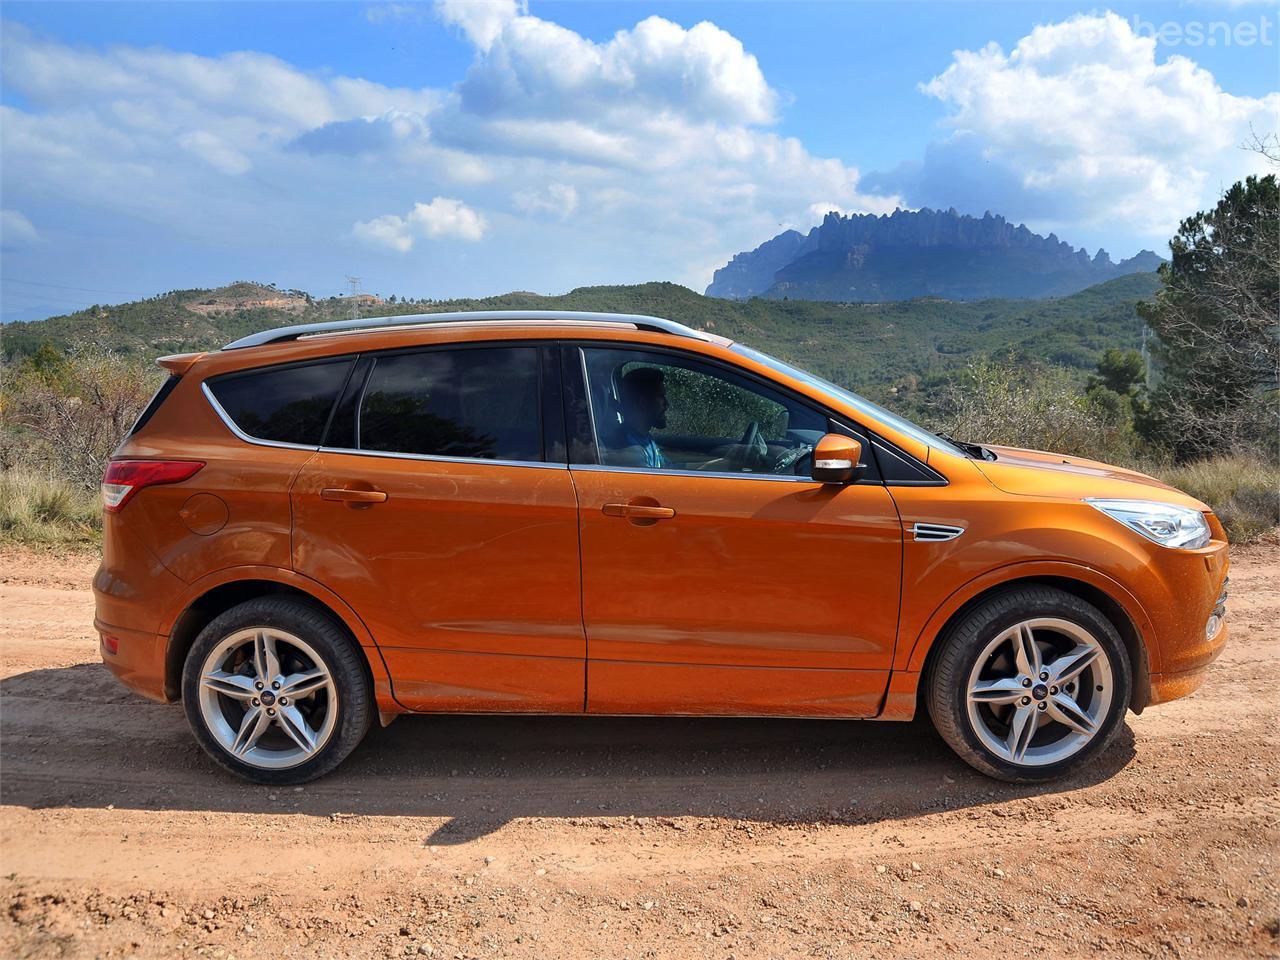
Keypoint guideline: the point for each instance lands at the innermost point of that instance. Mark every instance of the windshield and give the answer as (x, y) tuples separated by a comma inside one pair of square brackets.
[(861, 404)]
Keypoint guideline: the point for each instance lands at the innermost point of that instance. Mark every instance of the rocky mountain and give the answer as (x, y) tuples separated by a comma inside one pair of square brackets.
[(923, 253)]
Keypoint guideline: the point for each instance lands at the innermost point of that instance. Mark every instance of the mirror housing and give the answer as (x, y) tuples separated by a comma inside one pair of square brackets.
[(836, 459)]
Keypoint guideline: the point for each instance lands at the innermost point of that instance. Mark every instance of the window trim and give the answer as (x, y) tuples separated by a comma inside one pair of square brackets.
[(372, 356), (240, 434), (226, 418), (868, 439), (437, 458)]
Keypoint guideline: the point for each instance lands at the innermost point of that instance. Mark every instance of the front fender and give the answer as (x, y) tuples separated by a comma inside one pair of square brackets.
[(918, 650)]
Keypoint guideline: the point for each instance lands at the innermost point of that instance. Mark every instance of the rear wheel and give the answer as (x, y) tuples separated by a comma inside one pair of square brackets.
[(1031, 685), (276, 692)]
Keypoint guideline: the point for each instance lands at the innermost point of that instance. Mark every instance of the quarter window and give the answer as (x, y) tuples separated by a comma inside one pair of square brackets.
[(477, 402), (661, 411), (284, 404)]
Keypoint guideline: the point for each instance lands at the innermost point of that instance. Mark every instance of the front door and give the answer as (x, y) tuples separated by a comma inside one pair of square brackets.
[(717, 577), (437, 510)]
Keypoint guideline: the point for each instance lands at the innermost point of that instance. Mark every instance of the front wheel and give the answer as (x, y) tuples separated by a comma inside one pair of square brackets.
[(276, 692), (1031, 685)]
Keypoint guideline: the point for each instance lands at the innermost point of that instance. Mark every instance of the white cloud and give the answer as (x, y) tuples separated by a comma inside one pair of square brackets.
[(646, 155), (481, 20), (531, 68), (441, 218), (215, 151), (557, 200), (1082, 112), (387, 231), (16, 230)]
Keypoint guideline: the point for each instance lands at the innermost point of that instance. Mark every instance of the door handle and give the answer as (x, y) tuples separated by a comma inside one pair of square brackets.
[(638, 511), (353, 497)]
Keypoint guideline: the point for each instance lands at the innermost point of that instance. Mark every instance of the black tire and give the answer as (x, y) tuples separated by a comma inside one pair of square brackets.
[(947, 691), (342, 658)]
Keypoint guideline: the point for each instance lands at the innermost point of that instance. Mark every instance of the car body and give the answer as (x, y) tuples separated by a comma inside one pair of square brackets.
[(540, 570)]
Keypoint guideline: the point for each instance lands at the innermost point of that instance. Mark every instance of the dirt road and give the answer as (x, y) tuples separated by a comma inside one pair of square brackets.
[(562, 838)]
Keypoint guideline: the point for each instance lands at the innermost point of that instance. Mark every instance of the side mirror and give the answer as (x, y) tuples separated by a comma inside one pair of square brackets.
[(836, 459)]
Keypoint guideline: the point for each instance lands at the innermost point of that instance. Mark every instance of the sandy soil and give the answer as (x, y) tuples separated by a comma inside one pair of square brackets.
[(515, 837)]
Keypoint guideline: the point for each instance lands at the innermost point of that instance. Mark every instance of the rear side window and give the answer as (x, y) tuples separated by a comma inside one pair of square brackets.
[(289, 404), (475, 402), (149, 411)]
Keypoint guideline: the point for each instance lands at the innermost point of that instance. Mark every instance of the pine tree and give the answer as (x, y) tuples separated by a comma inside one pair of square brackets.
[(1217, 323)]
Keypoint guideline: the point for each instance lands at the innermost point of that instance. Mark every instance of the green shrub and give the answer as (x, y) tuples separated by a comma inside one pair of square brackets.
[(1019, 402), (41, 510)]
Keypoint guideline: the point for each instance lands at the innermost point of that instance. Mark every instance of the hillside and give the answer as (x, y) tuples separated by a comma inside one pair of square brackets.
[(873, 347), (922, 253)]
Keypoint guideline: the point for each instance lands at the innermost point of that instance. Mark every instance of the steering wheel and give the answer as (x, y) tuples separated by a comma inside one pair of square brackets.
[(754, 448), (784, 462)]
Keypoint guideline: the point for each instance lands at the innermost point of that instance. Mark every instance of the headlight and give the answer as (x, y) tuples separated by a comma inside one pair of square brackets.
[(1164, 523)]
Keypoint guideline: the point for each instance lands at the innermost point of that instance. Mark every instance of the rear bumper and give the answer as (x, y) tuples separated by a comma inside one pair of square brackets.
[(138, 660)]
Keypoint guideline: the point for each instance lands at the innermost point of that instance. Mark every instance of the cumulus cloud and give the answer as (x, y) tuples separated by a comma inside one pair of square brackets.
[(441, 218), (649, 154), (533, 68), (481, 20), (1086, 126)]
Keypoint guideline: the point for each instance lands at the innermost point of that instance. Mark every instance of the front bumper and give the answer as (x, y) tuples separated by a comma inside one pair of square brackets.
[(1171, 686)]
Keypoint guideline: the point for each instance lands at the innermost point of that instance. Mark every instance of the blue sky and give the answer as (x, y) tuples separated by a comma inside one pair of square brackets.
[(458, 148)]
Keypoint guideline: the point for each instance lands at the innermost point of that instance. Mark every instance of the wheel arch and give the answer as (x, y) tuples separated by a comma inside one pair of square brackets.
[(219, 592), (1119, 607)]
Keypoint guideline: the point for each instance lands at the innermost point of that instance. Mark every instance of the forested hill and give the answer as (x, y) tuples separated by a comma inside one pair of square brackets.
[(872, 347)]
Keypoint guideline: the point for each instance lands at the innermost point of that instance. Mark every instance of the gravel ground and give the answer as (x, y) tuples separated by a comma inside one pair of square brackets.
[(463, 837)]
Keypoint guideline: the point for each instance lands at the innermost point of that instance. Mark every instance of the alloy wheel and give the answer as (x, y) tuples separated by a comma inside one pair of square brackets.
[(1040, 691), (268, 698)]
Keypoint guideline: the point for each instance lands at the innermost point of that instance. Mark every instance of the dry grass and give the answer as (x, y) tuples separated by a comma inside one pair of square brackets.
[(1243, 491), (42, 511)]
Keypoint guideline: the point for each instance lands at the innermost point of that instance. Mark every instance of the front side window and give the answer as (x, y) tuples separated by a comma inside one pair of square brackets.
[(289, 404), (478, 403), (662, 411)]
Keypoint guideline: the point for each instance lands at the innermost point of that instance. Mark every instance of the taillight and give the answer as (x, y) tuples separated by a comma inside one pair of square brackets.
[(124, 478)]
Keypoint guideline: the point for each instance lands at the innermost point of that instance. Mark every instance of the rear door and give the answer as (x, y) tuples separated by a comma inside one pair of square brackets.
[(717, 576), (441, 510)]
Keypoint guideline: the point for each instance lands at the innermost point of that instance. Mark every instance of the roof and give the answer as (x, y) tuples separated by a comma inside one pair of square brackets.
[(639, 322)]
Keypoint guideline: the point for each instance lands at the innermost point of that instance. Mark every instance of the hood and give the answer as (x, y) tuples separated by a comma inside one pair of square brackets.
[(1040, 474)]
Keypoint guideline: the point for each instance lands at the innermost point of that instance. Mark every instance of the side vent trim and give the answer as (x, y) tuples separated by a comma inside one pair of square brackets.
[(934, 532)]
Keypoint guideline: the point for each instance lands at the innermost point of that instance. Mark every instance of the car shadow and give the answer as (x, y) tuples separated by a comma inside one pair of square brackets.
[(72, 737)]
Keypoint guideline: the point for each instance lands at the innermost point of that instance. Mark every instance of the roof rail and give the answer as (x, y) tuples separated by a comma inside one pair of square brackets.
[(280, 334)]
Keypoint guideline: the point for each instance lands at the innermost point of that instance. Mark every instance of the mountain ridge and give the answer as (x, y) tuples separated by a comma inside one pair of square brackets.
[(904, 255), (880, 349)]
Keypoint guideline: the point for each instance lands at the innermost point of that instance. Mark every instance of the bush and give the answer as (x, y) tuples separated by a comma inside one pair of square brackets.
[(64, 415), (1020, 403), (1243, 491), (37, 509)]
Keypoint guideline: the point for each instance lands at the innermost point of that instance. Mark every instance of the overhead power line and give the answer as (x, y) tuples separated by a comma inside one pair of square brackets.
[(61, 286)]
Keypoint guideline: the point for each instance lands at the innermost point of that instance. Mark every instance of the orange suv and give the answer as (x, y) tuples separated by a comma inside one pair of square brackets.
[(605, 514)]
